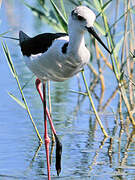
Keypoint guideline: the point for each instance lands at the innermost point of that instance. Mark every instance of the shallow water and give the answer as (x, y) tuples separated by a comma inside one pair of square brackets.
[(86, 154)]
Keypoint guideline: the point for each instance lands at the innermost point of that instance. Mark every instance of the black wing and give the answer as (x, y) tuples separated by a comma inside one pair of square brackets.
[(37, 44)]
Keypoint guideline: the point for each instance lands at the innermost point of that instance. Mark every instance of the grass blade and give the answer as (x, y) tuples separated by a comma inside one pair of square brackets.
[(118, 46), (28, 81), (93, 106), (104, 7), (2, 34), (8, 58), (63, 9), (59, 15), (45, 17), (99, 28), (90, 4), (78, 92), (97, 5), (17, 100), (75, 3)]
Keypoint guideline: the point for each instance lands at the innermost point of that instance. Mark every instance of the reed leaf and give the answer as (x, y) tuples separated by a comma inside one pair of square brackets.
[(97, 5), (118, 46), (59, 15), (8, 58), (104, 7), (28, 81), (74, 3), (35, 10), (2, 34), (63, 9), (90, 4), (99, 28), (45, 17), (17, 100), (79, 92)]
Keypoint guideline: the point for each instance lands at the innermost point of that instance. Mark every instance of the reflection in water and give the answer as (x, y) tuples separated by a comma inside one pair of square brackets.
[(96, 154)]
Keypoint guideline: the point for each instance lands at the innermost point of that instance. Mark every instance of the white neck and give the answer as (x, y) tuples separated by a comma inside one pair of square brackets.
[(76, 39)]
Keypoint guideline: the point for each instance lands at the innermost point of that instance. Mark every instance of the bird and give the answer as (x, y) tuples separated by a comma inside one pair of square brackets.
[(58, 57)]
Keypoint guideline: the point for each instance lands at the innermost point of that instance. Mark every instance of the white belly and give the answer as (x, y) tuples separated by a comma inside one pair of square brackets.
[(56, 66)]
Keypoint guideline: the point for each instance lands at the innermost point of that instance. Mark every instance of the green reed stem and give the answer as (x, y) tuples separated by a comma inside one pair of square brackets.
[(12, 68), (93, 106), (116, 67), (111, 45)]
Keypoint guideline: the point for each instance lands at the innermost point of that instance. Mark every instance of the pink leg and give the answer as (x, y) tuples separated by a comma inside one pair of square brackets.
[(38, 86), (58, 144), (47, 139)]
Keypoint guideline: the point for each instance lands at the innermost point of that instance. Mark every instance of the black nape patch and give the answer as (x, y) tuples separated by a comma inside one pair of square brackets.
[(64, 48)]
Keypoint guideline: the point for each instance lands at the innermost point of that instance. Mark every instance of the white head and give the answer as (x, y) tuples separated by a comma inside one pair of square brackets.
[(82, 19)]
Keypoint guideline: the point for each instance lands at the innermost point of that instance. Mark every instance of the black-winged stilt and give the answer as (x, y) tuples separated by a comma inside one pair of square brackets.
[(58, 57)]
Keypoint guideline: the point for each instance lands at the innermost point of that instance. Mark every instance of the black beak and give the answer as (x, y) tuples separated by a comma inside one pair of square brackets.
[(92, 31)]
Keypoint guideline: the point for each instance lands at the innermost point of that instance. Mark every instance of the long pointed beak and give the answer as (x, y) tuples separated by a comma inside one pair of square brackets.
[(92, 31)]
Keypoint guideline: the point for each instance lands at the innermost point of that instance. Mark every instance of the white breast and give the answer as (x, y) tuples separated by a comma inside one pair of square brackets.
[(54, 64)]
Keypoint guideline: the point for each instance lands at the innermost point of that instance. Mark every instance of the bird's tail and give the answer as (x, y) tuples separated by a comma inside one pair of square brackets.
[(23, 37)]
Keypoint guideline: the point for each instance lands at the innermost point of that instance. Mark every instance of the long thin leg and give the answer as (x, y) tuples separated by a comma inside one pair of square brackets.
[(58, 143), (38, 86), (47, 140), (50, 111)]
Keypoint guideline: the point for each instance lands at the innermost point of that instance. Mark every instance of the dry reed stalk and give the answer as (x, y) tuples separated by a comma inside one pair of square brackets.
[(120, 112), (110, 151), (92, 69), (94, 82), (94, 161), (101, 77), (131, 47), (102, 90), (116, 15), (129, 64), (119, 144), (122, 89), (110, 98), (126, 101), (105, 59), (99, 67), (130, 139)]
